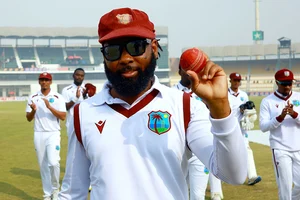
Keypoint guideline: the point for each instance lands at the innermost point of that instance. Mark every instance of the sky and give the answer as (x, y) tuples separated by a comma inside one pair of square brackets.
[(190, 22)]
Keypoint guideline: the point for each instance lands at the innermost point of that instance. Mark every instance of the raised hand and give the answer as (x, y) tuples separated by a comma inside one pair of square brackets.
[(78, 92), (290, 108), (210, 84), (33, 106)]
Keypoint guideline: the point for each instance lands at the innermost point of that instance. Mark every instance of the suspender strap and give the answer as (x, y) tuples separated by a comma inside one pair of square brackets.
[(186, 109), (77, 123)]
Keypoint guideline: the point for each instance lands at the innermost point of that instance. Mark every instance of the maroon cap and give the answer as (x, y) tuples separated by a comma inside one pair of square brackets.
[(125, 22), (45, 75), (284, 75), (235, 76)]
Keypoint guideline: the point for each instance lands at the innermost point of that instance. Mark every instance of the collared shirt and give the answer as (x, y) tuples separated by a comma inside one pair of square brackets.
[(69, 93), (138, 151), (44, 120), (236, 99), (283, 135)]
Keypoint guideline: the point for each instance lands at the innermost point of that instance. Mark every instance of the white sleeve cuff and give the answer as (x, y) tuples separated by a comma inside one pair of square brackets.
[(224, 125)]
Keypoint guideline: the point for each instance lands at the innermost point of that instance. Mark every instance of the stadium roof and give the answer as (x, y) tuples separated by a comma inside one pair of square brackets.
[(59, 32)]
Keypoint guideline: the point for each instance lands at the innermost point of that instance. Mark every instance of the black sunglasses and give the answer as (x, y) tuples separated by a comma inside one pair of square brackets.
[(285, 83), (113, 52)]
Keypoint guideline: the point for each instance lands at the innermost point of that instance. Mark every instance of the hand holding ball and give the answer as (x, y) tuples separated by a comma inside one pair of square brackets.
[(193, 59)]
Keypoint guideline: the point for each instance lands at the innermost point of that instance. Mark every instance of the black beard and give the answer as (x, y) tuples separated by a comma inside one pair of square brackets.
[(128, 87), (77, 83)]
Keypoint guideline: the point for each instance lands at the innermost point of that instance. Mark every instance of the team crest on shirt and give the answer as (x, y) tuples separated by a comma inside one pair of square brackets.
[(51, 100), (159, 122), (296, 103), (242, 98)]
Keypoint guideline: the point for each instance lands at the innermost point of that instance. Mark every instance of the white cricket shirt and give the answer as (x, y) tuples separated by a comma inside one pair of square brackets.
[(284, 135), (236, 99), (69, 93), (44, 120), (138, 151)]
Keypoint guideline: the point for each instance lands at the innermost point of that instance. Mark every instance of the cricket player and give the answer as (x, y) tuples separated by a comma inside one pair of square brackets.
[(198, 174), (279, 114), (129, 140), (73, 93), (47, 108), (238, 97)]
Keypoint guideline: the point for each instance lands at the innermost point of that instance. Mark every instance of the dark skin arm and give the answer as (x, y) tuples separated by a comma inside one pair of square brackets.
[(30, 115)]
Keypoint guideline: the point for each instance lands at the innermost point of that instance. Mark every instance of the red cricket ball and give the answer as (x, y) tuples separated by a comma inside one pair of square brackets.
[(193, 59)]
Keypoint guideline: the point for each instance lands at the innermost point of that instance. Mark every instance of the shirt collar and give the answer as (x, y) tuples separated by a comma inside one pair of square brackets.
[(183, 88), (41, 94), (81, 86), (232, 92), (104, 95)]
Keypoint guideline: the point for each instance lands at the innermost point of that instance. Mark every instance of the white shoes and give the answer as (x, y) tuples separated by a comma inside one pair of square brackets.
[(216, 196), (47, 198), (254, 180), (55, 194)]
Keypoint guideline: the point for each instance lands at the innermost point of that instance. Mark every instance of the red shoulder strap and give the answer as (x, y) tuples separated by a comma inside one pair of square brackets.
[(186, 109), (77, 123)]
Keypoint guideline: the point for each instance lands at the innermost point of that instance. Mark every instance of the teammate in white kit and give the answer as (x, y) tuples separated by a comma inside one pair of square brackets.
[(198, 174), (279, 114), (47, 108), (129, 140), (77, 92), (237, 98), (73, 93)]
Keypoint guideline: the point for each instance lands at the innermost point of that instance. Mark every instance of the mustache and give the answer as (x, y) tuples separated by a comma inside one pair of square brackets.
[(126, 69)]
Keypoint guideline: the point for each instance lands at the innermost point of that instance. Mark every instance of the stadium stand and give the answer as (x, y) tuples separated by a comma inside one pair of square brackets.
[(98, 57), (50, 55), (26, 53)]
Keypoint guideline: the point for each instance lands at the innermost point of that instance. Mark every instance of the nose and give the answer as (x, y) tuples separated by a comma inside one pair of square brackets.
[(125, 57)]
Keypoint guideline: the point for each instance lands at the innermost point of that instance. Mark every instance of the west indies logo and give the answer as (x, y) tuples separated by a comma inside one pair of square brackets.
[(296, 103), (159, 121)]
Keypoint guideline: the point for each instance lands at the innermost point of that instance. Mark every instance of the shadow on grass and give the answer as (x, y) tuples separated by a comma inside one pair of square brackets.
[(28, 172), (13, 191)]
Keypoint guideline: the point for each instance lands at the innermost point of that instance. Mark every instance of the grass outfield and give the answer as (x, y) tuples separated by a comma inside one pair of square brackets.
[(19, 171)]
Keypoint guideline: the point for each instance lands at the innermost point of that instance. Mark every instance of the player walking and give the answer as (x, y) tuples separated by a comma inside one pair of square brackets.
[(47, 108), (129, 140), (237, 98), (279, 114)]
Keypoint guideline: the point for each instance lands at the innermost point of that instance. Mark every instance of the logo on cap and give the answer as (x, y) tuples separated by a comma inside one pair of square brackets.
[(124, 18), (286, 73)]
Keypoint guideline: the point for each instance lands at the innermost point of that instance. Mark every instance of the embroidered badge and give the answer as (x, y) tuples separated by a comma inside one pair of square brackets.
[(124, 18), (242, 98), (51, 100), (296, 103), (286, 73), (57, 147), (159, 122)]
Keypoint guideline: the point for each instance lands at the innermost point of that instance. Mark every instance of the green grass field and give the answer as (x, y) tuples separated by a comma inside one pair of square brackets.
[(19, 171)]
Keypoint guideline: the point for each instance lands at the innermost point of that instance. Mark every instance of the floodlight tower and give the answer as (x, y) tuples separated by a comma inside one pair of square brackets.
[(284, 44), (257, 22), (257, 34)]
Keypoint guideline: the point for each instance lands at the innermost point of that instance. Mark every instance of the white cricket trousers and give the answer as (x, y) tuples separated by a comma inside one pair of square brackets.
[(251, 163), (287, 171), (198, 179), (47, 148)]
